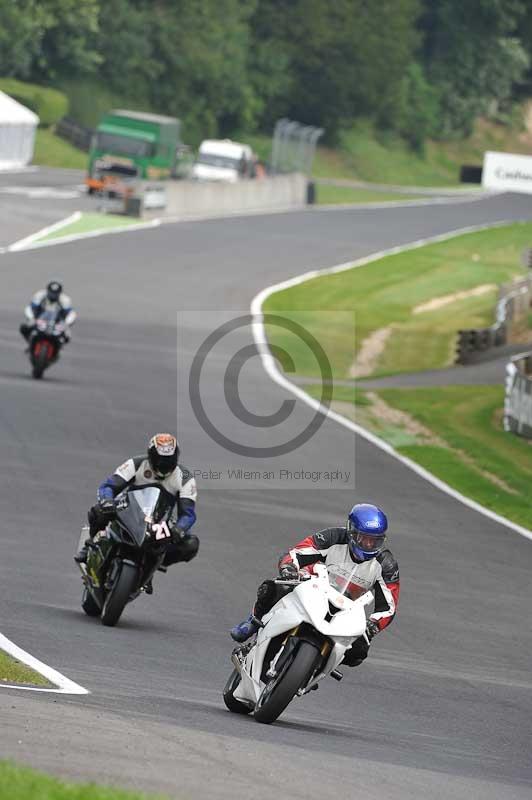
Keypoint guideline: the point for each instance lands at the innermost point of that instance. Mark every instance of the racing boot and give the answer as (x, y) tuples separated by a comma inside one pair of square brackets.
[(242, 632), (82, 554)]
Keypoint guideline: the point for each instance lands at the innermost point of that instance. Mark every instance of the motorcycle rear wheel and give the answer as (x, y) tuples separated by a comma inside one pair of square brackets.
[(236, 706), (277, 694), (117, 598)]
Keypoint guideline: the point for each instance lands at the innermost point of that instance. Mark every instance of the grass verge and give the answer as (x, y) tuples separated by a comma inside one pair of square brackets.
[(328, 195), (23, 783), (52, 151), (385, 293), (456, 433), (13, 671), (91, 222)]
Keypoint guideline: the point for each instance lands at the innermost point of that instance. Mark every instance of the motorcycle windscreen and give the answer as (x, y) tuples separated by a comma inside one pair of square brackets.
[(347, 582), (140, 508)]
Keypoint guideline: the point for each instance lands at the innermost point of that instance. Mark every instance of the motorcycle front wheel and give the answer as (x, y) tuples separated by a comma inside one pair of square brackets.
[(88, 604), (124, 586), (277, 694), (236, 706), (40, 363)]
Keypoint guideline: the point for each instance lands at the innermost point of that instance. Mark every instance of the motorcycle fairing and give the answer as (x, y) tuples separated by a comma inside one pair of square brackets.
[(308, 602)]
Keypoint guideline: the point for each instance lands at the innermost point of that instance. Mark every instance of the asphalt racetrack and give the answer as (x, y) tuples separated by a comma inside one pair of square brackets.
[(443, 706)]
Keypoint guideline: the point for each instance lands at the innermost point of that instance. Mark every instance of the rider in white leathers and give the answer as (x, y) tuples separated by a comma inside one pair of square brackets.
[(49, 299), (360, 543)]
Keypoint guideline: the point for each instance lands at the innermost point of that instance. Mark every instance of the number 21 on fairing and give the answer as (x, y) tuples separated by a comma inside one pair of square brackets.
[(160, 531)]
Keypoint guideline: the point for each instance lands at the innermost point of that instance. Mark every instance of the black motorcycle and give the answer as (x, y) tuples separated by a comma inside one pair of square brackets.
[(123, 558), (46, 341)]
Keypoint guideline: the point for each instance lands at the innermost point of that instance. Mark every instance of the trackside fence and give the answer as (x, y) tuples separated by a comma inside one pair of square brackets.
[(518, 396)]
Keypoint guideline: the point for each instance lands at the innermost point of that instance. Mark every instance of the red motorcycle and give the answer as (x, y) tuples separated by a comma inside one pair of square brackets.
[(46, 342)]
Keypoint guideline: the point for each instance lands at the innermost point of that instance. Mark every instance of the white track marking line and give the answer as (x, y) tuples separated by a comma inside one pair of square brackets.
[(270, 365), (24, 243), (30, 244), (65, 685)]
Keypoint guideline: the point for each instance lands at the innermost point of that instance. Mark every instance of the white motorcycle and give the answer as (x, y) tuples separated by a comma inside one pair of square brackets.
[(301, 640)]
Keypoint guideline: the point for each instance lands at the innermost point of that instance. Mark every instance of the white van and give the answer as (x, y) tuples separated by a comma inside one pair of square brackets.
[(223, 160)]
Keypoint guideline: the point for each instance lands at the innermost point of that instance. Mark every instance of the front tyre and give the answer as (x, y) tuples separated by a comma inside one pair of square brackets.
[(40, 363), (89, 605), (124, 586), (281, 690), (236, 706)]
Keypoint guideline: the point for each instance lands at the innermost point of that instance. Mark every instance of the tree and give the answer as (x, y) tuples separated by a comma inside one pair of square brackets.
[(41, 39), (342, 59), (472, 56), (21, 32)]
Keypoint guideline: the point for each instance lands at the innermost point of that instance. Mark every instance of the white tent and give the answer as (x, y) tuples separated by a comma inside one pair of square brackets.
[(17, 133)]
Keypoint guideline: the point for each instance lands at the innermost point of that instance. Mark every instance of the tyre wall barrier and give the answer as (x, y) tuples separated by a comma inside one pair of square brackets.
[(75, 133), (518, 395), (511, 314)]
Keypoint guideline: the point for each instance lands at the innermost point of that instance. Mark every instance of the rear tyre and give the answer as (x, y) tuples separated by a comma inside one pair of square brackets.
[(117, 598), (88, 604), (281, 690), (40, 362), (236, 706)]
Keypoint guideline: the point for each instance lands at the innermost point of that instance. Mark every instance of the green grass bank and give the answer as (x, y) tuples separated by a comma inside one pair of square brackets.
[(52, 151), (456, 433), (392, 294), (90, 222), (333, 195), (22, 783), (13, 671)]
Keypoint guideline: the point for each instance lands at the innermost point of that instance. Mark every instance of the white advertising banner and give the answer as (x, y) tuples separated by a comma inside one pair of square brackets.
[(507, 171)]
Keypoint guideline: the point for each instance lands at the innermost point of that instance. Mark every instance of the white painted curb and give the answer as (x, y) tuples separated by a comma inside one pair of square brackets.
[(65, 685), (270, 365), (33, 242), (24, 243)]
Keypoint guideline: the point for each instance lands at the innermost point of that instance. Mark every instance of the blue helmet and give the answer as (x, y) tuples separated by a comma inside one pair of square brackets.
[(366, 526)]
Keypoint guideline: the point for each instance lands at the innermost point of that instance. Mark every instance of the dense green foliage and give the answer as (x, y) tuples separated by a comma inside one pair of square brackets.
[(49, 104), (418, 67)]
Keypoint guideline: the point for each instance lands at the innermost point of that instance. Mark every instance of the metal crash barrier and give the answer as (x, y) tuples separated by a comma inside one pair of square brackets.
[(518, 396)]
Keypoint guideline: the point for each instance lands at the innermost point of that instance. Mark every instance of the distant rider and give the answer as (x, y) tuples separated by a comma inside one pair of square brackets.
[(361, 542), (49, 299), (160, 467)]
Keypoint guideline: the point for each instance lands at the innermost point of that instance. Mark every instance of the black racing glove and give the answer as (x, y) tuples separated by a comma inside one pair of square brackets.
[(289, 572), (178, 534), (371, 630)]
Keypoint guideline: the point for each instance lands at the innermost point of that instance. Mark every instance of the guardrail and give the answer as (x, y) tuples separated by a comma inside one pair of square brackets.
[(513, 304), (518, 395)]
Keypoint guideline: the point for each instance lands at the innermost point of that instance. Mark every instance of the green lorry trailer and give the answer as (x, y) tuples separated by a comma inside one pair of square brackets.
[(133, 144)]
